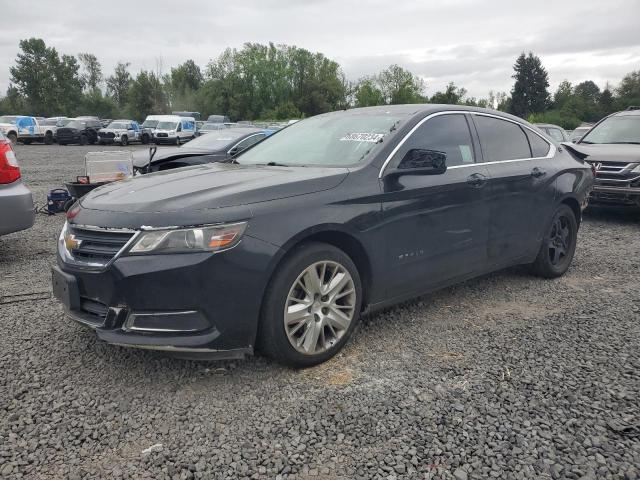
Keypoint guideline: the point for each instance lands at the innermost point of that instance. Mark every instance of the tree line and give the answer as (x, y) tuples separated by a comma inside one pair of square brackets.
[(278, 82)]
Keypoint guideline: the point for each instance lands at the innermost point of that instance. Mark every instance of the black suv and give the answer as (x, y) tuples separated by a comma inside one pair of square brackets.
[(284, 245), (612, 146), (81, 131)]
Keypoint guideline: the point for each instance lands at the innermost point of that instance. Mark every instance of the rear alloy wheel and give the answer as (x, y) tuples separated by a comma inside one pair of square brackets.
[(558, 246), (312, 306)]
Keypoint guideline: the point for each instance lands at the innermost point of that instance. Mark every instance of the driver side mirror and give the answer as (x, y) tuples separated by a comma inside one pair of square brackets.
[(419, 161)]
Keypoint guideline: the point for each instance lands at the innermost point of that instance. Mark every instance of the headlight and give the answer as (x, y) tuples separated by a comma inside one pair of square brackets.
[(636, 170), (186, 240)]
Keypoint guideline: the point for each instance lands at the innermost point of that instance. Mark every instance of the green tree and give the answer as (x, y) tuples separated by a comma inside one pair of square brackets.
[(452, 95), (34, 75), (563, 94), (13, 102), (367, 93), (146, 96), (119, 83), (95, 103), (401, 86), (628, 92), (68, 85), (529, 94), (91, 75), (606, 102)]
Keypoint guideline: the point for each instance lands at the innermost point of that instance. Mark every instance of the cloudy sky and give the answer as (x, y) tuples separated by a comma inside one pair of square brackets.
[(471, 42)]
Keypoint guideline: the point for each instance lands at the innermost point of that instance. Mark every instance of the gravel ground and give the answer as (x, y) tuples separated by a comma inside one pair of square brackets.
[(507, 376)]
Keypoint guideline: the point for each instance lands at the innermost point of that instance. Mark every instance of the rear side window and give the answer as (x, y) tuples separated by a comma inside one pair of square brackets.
[(501, 140), (445, 133), (539, 146)]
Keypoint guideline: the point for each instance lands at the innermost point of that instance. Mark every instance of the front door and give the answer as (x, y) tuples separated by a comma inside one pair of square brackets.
[(436, 226)]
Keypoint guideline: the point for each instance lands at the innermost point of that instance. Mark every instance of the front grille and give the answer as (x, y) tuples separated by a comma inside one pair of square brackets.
[(106, 134), (162, 135), (610, 167), (98, 246)]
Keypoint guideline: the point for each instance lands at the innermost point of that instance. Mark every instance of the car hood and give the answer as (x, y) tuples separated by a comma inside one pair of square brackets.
[(627, 153), (210, 186), (112, 130), (7, 125)]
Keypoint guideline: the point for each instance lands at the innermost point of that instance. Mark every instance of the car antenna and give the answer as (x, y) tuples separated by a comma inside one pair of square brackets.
[(152, 153)]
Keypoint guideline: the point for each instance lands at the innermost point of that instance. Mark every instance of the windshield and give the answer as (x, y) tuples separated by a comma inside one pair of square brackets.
[(618, 129), (118, 126), (216, 140), (64, 122), (49, 122), (167, 125), (8, 119), (76, 124), (327, 140), (150, 123)]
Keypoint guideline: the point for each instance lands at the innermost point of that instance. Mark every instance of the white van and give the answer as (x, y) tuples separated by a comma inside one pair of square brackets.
[(174, 129)]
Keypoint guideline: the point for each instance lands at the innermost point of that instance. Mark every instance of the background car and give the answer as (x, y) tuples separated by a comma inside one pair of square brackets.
[(17, 211), (554, 131), (120, 131), (612, 147), (80, 131), (578, 133), (217, 146)]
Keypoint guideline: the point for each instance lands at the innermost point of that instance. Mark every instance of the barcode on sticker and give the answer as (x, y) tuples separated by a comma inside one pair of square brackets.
[(362, 137)]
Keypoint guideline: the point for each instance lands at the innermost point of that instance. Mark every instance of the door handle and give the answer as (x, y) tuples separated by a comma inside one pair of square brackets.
[(537, 172), (476, 180)]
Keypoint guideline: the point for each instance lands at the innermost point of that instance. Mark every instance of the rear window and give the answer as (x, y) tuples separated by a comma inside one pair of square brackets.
[(501, 140), (539, 146)]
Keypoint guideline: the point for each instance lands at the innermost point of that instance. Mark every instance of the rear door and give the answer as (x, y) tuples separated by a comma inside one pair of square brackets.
[(522, 173), (436, 226)]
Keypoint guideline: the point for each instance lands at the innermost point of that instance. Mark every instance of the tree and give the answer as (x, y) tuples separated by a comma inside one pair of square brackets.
[(146, 96), (367, 93), (563, 94), (628, 92), (606, 101), (452, 95), (91, 75), (529, 94), (119, 83), (68, 85), (401, 86), (13, 102), (34, 75)]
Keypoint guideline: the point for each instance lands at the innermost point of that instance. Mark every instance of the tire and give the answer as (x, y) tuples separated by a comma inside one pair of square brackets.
[(558, 245), (319, 318), (178, 141), (124, 140), (13, 138), (145, 139), (83, 140), (62, 143), (48, 138)]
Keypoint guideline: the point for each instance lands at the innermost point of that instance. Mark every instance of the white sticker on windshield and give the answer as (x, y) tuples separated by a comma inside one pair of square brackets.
[(362, 137)]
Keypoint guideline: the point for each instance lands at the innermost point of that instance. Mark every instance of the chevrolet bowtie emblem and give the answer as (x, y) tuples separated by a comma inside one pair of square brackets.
[(71, 242)]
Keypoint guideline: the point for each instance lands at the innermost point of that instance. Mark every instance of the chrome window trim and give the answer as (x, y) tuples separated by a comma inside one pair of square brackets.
[(550, 154), (246, 138)]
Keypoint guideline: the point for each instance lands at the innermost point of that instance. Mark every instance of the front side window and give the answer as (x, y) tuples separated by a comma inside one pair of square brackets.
[(448, 134), (331, 140), (618, 129), (501, 140)]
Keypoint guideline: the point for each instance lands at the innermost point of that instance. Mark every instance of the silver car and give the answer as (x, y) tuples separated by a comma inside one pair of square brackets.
[(17, 211)]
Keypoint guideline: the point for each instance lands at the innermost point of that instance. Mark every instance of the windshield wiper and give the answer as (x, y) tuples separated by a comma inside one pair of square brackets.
[(625, 143)]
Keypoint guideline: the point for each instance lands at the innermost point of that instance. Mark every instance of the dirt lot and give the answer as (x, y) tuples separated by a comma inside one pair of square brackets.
[(507, 376)]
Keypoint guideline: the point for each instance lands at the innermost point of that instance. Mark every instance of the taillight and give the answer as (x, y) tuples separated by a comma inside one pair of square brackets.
[(9, 170)]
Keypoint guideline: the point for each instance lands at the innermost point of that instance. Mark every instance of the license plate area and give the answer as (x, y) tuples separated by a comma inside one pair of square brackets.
[(65, 289)]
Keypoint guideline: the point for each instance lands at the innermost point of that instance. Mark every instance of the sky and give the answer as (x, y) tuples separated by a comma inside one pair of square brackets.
[(473, 43)]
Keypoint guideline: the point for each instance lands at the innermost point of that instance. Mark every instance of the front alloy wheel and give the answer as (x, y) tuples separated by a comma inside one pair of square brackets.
[(319, 308), (311, 306)]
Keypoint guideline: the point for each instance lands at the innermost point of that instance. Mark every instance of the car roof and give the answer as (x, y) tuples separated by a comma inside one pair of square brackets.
[(627, 113), (548, 125)]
